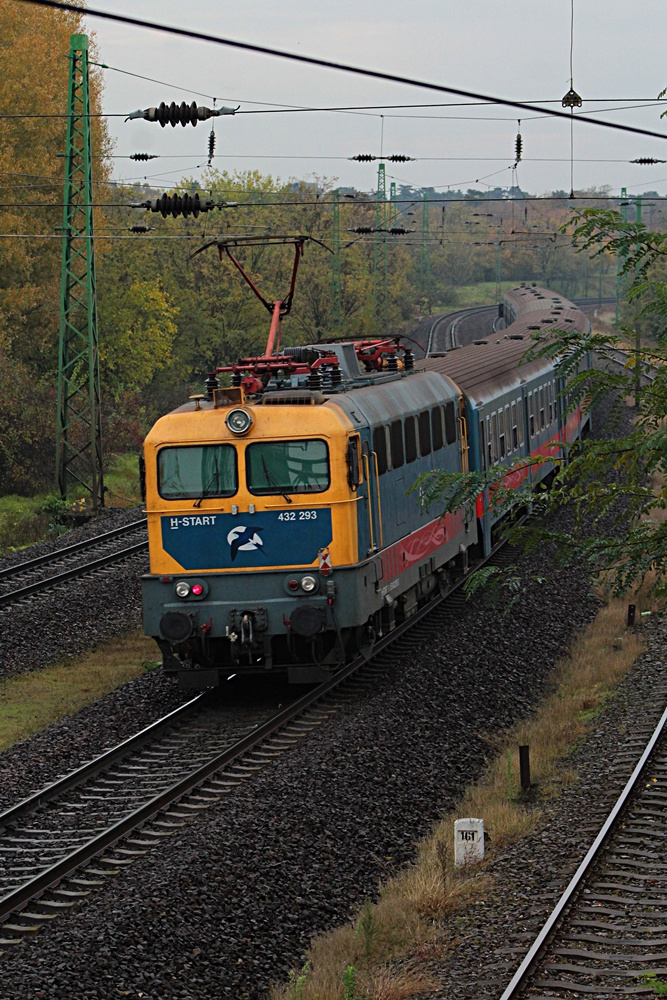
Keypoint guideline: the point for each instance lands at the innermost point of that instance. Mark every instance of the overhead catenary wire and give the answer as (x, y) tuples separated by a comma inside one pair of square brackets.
[(325, 63), (357, 107)]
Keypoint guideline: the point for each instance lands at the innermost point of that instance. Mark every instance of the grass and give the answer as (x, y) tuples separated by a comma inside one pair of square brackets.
[(22, 522), (26, 520), (483, 293), (391, 940), (121, 478), (33, 701)]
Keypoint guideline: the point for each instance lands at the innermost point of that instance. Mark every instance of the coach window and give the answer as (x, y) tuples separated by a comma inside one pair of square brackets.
[(450, 423), (380, 448), (515, 429), (554, 394), (197, 471), (436, 428), (508, 429), (494, 435), (482, 448), (542, 420), (396, 439), (280, 467), (531, 416), (519, 413), (410, 439), (424, 433), (549, 401), (501, 433), (489, 446)]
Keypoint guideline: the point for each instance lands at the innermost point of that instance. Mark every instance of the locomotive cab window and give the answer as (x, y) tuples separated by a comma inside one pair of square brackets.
[(197, 471), (287, 467)]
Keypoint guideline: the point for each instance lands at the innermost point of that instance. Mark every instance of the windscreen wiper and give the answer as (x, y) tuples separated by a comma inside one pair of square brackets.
[(271, 482), (207, 489)]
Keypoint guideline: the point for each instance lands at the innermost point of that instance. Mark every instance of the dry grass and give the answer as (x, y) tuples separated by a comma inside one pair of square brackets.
[(33, 701), (410, 921)]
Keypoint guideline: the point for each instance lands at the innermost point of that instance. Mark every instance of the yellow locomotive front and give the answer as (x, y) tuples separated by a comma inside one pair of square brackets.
[(250, 505)]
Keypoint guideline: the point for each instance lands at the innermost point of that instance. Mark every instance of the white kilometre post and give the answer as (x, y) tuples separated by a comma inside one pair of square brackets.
[(468, 841)]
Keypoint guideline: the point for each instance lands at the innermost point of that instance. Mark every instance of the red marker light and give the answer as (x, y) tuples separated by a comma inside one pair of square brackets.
[(293, 585), (197, 589)]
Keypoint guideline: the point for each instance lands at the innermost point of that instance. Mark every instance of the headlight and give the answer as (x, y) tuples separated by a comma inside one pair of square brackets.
[(308, 583), (182, 589), (239, 421)]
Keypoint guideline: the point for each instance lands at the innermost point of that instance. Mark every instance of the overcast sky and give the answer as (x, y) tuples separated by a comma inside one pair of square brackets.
[(519, 49)]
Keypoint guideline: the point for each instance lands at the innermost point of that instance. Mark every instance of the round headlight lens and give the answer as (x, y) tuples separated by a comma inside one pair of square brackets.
[(182, 589), (239, 421), (308, 583)]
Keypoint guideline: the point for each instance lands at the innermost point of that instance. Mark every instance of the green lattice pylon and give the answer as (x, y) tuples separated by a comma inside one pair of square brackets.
[(620, 260), (381, 256), (79, 424), (336, 288), (393, 207), (425, 254)]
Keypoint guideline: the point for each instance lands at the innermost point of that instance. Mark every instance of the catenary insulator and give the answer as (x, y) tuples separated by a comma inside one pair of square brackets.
[(176, 204), (144, 156), (364, 157), (399, 158), (362, 230), (211, 146), (518, 148), (184, 114), (646, 161), (139, 229)]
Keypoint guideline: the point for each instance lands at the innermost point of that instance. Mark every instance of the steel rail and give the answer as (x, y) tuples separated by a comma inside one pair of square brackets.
[(454, 318), (87, 543), (521, 975), (17, 899), (70, 574), (99, 763)]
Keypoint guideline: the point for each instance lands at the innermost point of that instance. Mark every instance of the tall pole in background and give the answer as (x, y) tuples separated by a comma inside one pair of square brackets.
[(638, 336), (79, 420), (425, 255), (380, 262), (621, 257), (393, 208), (336, 288)]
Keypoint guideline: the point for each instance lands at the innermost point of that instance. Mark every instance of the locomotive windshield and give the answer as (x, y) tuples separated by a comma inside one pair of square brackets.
[(197, 471), (287, 467)]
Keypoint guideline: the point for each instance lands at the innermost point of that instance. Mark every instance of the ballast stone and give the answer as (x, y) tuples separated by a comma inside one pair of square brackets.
[(468, 841)]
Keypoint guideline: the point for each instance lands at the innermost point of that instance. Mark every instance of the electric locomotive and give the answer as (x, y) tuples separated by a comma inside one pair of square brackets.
[(281, 533)]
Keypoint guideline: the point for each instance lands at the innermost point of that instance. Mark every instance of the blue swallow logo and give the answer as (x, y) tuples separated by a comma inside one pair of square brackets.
[(244, 540)]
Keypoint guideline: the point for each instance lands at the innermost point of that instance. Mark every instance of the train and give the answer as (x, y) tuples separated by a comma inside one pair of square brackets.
[(282, 535)]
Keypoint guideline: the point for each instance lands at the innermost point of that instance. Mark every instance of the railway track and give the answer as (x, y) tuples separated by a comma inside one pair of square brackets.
[(58, 845), (607, 934), (42, 572)]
